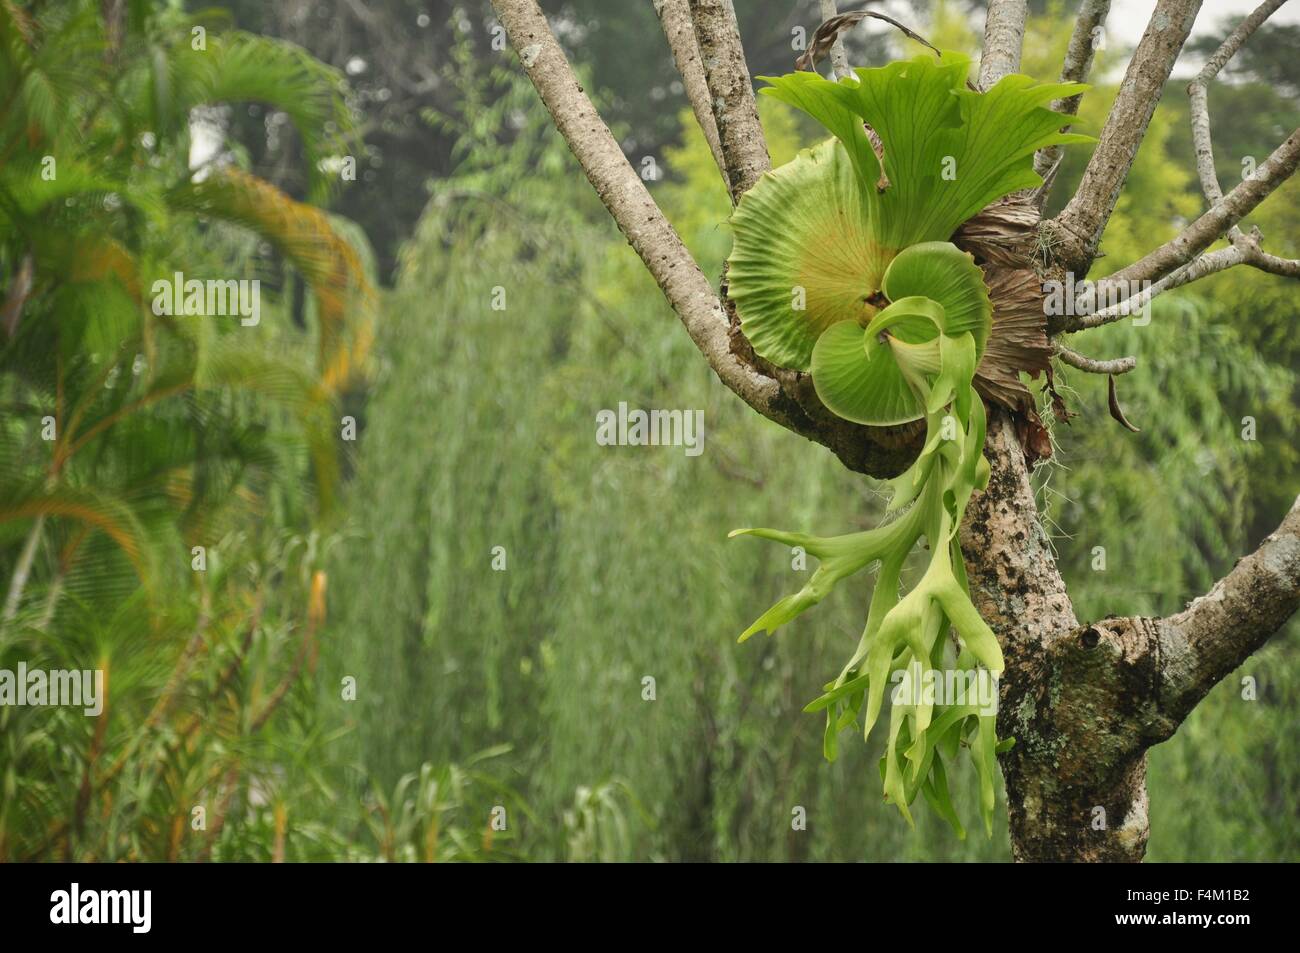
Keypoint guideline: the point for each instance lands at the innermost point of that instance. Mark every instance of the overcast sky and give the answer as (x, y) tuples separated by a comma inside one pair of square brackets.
[(1128, 18)]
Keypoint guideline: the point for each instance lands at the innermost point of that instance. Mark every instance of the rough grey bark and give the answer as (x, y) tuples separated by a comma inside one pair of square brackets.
[(1004, 36), (1086, 703), (743, 144), (1060, 767), (679, 30)]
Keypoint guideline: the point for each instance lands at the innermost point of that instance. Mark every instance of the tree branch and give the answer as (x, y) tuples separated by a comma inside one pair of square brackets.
[(1203, 145), (1075, 68), (675, 17), (1018, 591), (1196, 90), (1077, 231), (1258, 258), (1217, 632), (1004, 37), (1245, 252), (1201, 267), (744, 147), (1120, 365), (625, 196), (1220, 217), (839, 56)]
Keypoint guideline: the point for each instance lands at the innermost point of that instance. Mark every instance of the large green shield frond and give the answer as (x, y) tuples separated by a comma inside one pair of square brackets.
[(804, 257), (944, 273), (876, 375)]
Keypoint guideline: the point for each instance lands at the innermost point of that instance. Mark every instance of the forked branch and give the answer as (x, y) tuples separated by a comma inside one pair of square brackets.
[(1197, 90), (1221, 216), (1183, 259), (782, 396)]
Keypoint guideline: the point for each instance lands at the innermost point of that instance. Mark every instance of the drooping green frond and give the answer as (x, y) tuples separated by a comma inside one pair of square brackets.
[(305, 236)]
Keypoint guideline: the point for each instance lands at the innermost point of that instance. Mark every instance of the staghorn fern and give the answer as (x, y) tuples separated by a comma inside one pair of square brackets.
[(841, 266)]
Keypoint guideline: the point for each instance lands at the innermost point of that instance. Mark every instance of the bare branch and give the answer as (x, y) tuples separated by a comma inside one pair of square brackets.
[(1203, 145), (1180, 260), (1220, 217), (1077, 230), (1004, 36), (1236, 40), (839, 55), (675, 17), (744, 147), (1205, 265), (1075, 68), (1196, 90), (1120, 365), (1257, 258), (1219, 631), (1245, 252)]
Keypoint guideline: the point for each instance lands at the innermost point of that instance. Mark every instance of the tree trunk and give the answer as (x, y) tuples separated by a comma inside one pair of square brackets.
[(1076, 777)]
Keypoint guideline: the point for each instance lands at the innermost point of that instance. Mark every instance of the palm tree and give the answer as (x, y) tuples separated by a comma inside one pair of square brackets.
[(130, 440)]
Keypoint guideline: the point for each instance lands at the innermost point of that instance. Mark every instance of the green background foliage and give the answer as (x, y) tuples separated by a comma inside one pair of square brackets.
[(524, 688)]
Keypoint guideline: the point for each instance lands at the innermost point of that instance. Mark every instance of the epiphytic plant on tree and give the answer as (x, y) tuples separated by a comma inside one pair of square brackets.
[(881, 343)]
